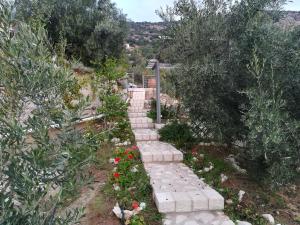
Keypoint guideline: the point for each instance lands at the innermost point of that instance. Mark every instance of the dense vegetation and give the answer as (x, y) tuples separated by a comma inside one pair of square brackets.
[(45, 159), (239, 79), (90, 30)]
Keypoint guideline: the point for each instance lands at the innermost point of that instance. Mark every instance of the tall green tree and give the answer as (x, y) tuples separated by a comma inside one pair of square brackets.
[(37, 170), (213, 43), (93, 30)]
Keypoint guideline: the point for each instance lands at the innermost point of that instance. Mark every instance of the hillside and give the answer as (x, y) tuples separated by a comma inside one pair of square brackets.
[(142, 33)]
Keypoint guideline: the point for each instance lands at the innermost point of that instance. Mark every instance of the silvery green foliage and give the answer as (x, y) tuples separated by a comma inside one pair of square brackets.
[(213, 42), (94, 30), (37, 171), (273, 136)]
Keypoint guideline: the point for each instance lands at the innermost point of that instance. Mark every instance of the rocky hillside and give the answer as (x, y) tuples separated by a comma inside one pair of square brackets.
[(142, 33)]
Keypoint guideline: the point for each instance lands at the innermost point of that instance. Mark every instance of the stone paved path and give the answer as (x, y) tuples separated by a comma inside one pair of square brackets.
[(179, 194)]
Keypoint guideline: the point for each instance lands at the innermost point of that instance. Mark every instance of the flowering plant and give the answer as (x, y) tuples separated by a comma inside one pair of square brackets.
[(129, 183)]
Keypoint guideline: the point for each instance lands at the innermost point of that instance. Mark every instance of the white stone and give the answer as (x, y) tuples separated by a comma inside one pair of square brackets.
[(243, 223), (180, 218), (146, 157), (178, 156), (157, 157), (229, 202), (269, 218), (183, 202), (199, 200), (164, 202), (215, 200), (206, 217), (229, 222), (241, 195), (167, 156), (224, 178), (191, 222), (167, 222), (159, 126)]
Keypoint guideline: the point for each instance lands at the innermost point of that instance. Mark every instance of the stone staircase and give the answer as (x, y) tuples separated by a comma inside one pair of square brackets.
[(179, 194)]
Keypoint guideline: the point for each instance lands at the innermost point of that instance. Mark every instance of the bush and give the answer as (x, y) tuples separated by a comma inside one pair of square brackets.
[(273, 138), (213, 50), (178, 134), (167, 112)]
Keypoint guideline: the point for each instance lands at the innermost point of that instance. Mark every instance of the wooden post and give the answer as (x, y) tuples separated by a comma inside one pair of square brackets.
[(158, 110)]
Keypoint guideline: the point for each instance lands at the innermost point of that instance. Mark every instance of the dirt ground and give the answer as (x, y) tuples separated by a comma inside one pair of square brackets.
[(284, 204), (98, 208)]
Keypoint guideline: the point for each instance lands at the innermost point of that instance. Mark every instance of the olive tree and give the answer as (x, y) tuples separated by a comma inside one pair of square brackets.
[(37, 170)]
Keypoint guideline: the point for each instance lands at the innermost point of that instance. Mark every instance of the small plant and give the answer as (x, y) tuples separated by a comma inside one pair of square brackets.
[(167, 112), (178, 134), (130, 185)]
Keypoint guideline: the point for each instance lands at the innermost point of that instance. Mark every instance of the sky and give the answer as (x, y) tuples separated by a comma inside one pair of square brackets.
[(144, 10)]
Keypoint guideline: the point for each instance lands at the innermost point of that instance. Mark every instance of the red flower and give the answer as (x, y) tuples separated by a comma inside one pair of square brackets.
[(116, 175), (130, 156), (194, 151), (127, 151), (135, 147), (117, 160), (135, 205)]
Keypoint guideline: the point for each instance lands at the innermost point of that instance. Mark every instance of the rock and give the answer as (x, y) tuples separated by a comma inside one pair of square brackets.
[(243, 223), (229, 202), (235, 164), (269, 218), (229, 222), (207, 169), (241, 195), (224, 178)]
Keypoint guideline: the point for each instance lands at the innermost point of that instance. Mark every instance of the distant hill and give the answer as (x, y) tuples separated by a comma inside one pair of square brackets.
[(293, 14), (291, 18), (143, 33)]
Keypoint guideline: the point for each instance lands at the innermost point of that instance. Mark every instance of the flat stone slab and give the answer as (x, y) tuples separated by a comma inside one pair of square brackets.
[(135, 115), (197, 218), (142, 125), (141, 120), (136, 110), (177, 183), (157, 151), (145, 135)]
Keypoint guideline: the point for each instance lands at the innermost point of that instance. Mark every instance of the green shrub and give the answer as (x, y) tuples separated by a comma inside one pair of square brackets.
[(179, 134), (167, 112), (273, 138)]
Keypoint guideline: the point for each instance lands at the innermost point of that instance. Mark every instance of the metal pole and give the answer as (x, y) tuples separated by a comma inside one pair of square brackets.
[(158, 111), (143, 81)]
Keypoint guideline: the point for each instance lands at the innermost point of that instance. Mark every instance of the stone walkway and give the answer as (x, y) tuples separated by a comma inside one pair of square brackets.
[(179, 194)]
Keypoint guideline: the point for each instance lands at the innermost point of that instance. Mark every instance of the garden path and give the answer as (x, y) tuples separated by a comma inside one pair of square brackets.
[(179, 194)]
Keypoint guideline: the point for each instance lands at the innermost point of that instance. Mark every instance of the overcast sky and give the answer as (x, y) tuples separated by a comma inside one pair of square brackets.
[(144, 10)]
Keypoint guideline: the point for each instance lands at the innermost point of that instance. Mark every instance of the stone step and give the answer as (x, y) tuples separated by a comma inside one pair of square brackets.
[(141, 120), (137, 110), (157, 151), (142, 125), (135, 115), (137, 104), (197, 218), (177, 189), (145, 135)]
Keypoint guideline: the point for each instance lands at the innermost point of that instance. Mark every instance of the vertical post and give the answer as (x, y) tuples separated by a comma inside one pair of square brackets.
[(143, 80), (158, 111)]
